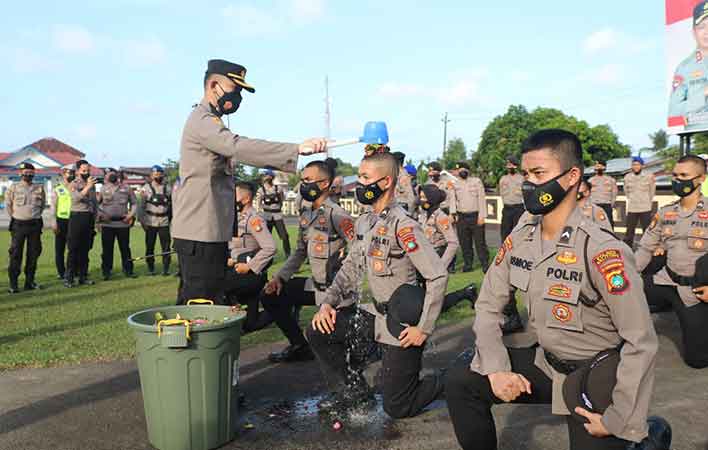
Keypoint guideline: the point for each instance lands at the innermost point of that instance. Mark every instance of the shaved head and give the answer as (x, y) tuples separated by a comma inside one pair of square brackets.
[(696, 161)]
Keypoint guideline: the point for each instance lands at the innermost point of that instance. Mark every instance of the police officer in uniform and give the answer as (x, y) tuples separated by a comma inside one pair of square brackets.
[(117, 206), (25, 202), (690, 83), (604, 190), (468, 208), (404, 187), (61, 210), (439, 231), (335, 192), (270, 198), (680, 231), (325, 229), (590, 211), (583, 292), (443, 182), (390, 247), (510, 192), (204, 210), (251, 253), (82, 222), (639, 187), (155, 212)]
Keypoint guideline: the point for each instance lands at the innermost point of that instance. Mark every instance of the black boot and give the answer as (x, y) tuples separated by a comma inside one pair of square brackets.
[(83, 281), (151, 271), (14, 289), (69, 280), (453, 298), (293, 353), (30, 285), (512, 319), (659, 436)]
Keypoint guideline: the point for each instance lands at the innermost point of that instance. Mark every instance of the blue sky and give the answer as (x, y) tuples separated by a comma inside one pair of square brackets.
[(117, 78)]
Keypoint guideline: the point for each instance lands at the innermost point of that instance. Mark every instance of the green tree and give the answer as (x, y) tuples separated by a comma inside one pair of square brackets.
[(504, 135), (171, 170), (346, 169), (455, 152), (659, 139)]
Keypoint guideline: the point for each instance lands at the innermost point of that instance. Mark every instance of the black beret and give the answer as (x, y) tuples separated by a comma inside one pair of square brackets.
[(591, 386), (26, 165), (235, 72), (434, 166)]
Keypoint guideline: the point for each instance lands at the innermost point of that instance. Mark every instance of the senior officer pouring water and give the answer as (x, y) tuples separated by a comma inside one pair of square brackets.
[(585, 300), (204, 210)]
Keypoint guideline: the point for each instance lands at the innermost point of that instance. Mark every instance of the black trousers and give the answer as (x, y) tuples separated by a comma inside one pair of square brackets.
[(245, 289), (468, 233), (280, 307), (151, 235), (693, 320), (510, 217), (202, 270), (632, 218), (60, 239), (282, 233), (23, 232), (81, 234), (108, 237), (405, 394), (608, 210), (470, 399)]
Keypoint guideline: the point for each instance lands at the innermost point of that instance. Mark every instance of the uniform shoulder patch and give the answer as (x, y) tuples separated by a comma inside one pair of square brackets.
[(407, 237), (505, 247), (444, 222), (347, 227), (654, 221), (256, 223), (611, 265)]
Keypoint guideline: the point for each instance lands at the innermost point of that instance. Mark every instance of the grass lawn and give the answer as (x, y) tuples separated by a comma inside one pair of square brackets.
[(59, 326)]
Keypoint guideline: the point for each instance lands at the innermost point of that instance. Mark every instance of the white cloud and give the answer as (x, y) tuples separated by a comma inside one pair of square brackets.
[(609, 74), (144, 52), (307, 11), (462, 88), (601, 40), (611, 40), (72, 39), (24, 60), (460, 92)]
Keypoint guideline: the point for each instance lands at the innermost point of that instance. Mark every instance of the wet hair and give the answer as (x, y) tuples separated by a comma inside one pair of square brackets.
[(387, 162), (327, 167), (695, 160), (564, 145), (80, 163), (246, 186)]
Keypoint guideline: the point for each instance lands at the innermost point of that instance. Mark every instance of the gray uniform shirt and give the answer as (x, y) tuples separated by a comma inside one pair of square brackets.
[(81, 202), (270, 202), (153, 209), (584, 294), (445, 184), (25, 201), (439, 231), (604, 190), (640, 190), (204, 210), (389, 248), (404, 192), (253, 239), (510, 189), (323, 232), (116, 201), (684, 237), (596, 214), (468, 196)]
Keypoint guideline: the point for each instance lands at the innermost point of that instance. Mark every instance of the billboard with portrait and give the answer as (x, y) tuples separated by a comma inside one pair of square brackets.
[(687, 57)]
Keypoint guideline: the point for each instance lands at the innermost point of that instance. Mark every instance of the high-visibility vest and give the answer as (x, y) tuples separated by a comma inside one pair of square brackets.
[(63, 202)]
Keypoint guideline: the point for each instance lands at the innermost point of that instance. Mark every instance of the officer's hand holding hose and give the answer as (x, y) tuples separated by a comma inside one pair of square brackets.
[(323, 320), (508, 386)]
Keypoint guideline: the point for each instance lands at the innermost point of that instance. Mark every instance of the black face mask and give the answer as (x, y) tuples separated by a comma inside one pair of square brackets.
[(28, 178), (239, 207), (85, 176), (435, 178), (112, 178), (464, 174), (682, 188), (600, 171), (310, 191), (511, 171), (230, 101), (159, 180), (70, 178), (543, 198), (637, 172), (367, 194)]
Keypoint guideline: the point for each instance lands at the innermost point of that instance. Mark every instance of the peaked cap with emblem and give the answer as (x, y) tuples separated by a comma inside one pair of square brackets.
[(700, 12), (235, 72), (26, 166)]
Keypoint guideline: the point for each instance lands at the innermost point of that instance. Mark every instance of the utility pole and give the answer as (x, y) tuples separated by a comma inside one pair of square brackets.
[(328, 116), (445, 121)]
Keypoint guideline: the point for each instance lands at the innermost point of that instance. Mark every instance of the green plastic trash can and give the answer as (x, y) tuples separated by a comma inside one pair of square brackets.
[(188, 364)]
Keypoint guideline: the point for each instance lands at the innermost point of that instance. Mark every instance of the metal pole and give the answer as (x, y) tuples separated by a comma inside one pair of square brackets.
[(688, 143), (445, 122)]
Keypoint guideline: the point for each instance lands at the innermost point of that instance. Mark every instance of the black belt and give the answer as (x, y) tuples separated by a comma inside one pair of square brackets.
[(679, 279), (382, 308), (563, 366), (319, 286), (467, 213), (514, 205), (156, 214), (273, 210)]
